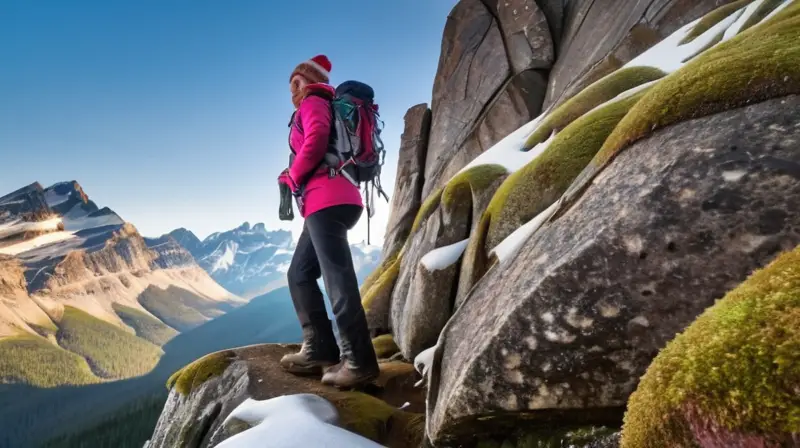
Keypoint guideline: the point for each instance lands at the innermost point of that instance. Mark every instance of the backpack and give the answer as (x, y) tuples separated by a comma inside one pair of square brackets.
[(355, 148)]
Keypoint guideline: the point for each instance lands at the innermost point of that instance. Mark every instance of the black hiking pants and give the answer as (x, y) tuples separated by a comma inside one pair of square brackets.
[(323, 250)]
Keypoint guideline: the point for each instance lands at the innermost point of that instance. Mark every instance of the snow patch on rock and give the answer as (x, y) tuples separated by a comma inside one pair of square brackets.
[(423, 362), (509, 152), (444, 257), (509, 246), (292, 421), (669, 55)]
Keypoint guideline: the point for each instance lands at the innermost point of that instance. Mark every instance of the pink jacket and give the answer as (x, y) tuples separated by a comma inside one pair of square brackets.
[(310, 145)]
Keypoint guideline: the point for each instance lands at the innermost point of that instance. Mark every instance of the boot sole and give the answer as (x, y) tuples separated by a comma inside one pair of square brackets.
[(363, 382)]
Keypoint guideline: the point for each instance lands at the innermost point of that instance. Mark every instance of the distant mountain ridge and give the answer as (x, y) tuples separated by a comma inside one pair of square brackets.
[(80, 285), (251, 260)]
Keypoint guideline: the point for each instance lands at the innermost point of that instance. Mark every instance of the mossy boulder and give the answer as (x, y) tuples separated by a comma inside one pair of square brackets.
[(196, 420), (422, 300), (529, 191), (594, 95), (565, 328), (198, 372), (536, 186), (732, 378), (760, 63)]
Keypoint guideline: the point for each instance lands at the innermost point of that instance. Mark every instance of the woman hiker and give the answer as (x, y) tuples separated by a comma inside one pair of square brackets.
[(330, 206)]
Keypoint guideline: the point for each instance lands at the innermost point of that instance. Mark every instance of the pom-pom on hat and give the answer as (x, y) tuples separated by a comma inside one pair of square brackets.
[(316, 69)]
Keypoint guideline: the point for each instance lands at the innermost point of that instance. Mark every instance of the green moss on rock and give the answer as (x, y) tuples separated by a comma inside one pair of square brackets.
[(376, 420), (713, 18), (530, 190), (475, 179), (591, 97), (756, 65), (379, 271), (456, 199), (198, 372), (385, 346), (383, 283), (426, 210), (735, 370), (475, 259), (763, 10)]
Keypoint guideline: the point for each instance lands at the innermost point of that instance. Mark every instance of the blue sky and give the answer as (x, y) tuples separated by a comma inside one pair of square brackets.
[(174, 113)]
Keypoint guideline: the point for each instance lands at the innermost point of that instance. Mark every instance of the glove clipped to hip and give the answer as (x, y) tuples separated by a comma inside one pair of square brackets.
[(288, 191)]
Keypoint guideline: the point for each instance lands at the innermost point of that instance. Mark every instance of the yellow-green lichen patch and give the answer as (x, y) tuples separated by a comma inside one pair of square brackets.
[(376, 274), (591, 97), (756, 65), (605, 67), (475, 179), (734, 370), (455, 193), (475, 261), (426, 210), (532, 189), (384, 346), (376, 420), (763, 10), (198, 372), (383, 284), (713, 18)]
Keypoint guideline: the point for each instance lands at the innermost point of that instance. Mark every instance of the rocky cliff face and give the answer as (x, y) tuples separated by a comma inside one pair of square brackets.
[(597, 175)]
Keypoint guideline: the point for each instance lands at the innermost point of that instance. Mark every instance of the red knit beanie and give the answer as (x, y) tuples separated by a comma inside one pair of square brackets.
[(316, 69)]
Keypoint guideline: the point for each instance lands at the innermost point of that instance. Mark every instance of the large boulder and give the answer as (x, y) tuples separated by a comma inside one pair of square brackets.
[(473, 66), (732, 379), (204, 393), (535, 187), (422, 300), (491, 79), (568, 325), (407, 195)]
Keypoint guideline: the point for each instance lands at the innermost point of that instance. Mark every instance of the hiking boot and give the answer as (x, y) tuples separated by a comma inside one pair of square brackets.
[(346, 375), (359, 365), (319, 350)]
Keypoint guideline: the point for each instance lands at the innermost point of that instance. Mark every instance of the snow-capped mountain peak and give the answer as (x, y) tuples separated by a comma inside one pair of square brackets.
[(250, 260)]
